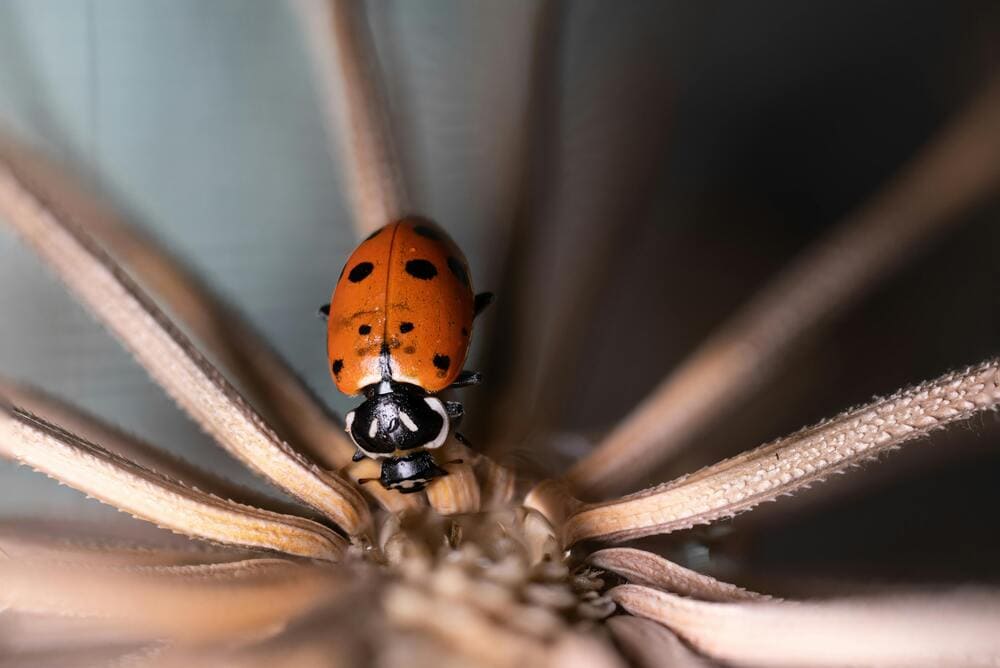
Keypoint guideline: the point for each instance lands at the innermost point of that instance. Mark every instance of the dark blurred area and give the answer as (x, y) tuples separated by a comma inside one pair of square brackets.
[(742, 134)]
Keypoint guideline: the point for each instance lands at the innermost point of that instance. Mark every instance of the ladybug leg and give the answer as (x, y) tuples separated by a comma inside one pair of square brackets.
[(324, 311), (456, 412), (482, 300), (358, 456), (467, 378)]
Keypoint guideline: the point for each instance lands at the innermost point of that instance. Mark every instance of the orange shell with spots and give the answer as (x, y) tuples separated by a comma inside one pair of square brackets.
[(403, 307)]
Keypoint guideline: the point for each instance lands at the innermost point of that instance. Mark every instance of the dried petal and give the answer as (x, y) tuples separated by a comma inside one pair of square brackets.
[(155, 498), (649, 645), (456, 493), (188, 603), (789, 464), (355, 110), (645, 568), (90, 428), (171, 359), (26, 542), (950, 629)]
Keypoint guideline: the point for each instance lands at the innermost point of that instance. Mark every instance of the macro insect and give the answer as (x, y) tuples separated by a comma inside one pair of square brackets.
[(399, 326)]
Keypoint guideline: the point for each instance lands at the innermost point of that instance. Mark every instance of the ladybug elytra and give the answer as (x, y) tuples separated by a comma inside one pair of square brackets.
[(398, 331)]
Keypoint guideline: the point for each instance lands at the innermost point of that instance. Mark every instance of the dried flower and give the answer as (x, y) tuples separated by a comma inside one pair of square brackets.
[(486, 567)]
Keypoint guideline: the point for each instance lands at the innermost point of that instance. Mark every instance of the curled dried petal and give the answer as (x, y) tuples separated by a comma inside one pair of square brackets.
[(645, 568), (456, 493)]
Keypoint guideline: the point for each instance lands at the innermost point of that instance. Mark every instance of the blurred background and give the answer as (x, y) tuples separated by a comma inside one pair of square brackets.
[(623, 175)]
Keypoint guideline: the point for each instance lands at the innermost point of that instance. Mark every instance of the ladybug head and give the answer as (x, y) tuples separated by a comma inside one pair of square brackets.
[(397, 417), (411, 473)]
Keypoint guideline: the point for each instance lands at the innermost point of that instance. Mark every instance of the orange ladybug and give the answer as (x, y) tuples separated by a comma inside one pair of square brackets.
[(398, 330)]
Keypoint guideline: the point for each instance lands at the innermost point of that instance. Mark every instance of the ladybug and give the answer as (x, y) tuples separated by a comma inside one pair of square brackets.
[(398, 331)]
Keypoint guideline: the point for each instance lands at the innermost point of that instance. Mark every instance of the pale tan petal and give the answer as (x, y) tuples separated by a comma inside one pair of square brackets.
[(957, 170), (271, 385), (577, 650), (950, 629), (456, 493), (90, 428), (88, 546), (155, 498), (789, 464), (347, 76), (31, 636), (171, 359), (246, 599), (649, 645), (645, 568)]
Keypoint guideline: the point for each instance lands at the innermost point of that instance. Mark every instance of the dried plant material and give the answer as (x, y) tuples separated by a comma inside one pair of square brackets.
[(90, 428), (497, 484), (575, 650), (155, 498), (957, 628), (51, 639), (18, 541), (645, 568), (171, 359), (456, 493), (553, 500), (955, 171), (246, 358), (789, 464), (356, 114), (466, 630), (649, 645), (247, 599)]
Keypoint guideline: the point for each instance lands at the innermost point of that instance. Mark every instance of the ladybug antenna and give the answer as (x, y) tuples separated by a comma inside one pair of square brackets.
[(365, 481)]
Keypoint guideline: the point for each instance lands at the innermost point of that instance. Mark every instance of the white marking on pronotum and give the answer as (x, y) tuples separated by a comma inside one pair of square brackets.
[(349, 420), (438, 408), (408, 421), (373, 429)]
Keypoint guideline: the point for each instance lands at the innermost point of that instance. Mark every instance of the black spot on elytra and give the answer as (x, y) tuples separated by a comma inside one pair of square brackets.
[(360, 272), (364, 329), (459, 270), (428, 232), (373, 234), (409, 350), (422, 269), (405, 327), (442, 362), (338, 365)]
